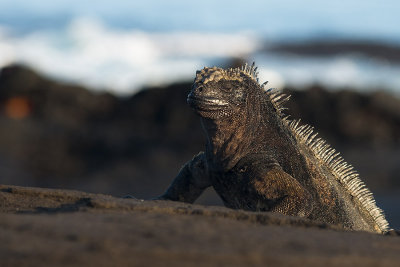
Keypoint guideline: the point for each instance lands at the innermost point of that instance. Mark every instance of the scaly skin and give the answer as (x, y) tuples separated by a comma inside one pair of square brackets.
[(258, 160)]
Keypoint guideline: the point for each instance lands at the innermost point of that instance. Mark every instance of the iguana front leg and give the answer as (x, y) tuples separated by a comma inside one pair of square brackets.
[(270, 188), (190, 182), (278, 191)]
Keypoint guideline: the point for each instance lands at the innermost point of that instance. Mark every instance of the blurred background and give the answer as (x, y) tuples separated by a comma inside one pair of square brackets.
[(93, 93)]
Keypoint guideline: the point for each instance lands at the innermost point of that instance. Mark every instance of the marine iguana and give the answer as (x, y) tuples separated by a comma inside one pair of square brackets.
[(257, 159)]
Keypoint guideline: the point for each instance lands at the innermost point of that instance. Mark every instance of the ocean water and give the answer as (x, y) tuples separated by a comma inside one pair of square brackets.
[(121, 46)]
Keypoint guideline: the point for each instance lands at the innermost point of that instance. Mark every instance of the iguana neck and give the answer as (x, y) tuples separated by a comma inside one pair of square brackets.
[(227, 141)]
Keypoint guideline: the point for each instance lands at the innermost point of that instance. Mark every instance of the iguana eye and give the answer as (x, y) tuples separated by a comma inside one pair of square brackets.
[(197, 86)]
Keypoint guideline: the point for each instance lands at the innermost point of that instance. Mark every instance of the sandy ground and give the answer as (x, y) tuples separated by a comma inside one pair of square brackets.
[(47, 227)]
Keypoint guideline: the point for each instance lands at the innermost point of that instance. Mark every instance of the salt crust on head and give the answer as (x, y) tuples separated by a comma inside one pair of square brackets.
[(215, 74)]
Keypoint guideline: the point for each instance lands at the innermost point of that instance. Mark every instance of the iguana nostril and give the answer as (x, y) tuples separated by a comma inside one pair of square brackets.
[(200, 89)]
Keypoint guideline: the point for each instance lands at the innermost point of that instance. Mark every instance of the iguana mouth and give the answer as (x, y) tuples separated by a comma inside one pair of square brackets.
[(206, 103)]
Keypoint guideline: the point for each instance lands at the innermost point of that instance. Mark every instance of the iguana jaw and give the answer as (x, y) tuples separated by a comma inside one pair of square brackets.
[(208, 107), (206, 102)]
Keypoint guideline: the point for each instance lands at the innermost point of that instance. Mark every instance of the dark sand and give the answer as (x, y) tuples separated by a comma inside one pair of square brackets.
[(47, 227)]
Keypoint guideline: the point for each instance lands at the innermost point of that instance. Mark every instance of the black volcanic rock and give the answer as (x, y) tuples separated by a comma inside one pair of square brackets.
[(347, 117), (377, 50), (62, 135), (72, 137)]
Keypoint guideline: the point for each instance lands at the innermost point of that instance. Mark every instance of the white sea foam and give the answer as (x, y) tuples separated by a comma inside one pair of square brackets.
[(353, 71), (89, 53)]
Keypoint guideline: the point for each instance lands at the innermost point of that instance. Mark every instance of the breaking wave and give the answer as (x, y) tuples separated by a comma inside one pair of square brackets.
[(87, 52), (122, 60)]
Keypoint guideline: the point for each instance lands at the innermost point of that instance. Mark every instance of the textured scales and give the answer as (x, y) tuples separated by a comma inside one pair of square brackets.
[(310, 179)]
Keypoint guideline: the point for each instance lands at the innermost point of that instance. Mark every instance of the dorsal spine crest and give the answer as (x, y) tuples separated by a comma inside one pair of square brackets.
[(216, 74), (325, 154)]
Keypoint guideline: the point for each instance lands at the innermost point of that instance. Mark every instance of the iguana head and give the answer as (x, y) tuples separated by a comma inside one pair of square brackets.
[(218, 93)]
